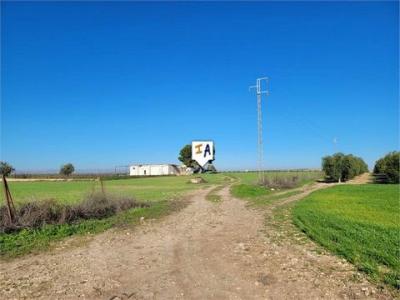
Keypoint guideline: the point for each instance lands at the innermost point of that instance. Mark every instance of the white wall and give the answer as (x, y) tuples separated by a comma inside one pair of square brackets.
[(151, 170)]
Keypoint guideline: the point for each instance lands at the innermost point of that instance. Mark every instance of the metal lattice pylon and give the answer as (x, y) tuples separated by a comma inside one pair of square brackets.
[(261, 88)]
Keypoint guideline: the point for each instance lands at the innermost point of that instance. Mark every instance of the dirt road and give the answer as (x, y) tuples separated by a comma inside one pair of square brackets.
[(205, 251)]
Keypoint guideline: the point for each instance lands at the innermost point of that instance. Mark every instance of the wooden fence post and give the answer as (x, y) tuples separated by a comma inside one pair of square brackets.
[(9, 201)]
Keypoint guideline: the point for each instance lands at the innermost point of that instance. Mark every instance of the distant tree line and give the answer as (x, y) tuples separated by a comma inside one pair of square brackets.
[(6, 169), (342, 167), (387, 168)]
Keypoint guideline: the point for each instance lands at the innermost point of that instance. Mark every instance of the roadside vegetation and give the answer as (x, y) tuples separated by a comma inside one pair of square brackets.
[(358, 222), (34, 215)]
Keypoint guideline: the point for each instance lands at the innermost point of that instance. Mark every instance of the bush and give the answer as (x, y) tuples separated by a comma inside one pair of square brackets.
[(341, 167), (98, 206), (39, 213), (389, 167), (286, 182)]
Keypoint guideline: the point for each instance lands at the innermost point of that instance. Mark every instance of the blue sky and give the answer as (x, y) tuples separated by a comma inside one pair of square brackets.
[(105, 84)]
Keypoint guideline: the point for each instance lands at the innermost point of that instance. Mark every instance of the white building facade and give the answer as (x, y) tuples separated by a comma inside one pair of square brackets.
[(153, 170)]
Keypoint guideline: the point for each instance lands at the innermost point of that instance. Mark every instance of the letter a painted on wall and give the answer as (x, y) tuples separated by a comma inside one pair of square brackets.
[(202, 152)]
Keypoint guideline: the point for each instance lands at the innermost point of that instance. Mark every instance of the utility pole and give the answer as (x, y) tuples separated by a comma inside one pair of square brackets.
[(261, 87)]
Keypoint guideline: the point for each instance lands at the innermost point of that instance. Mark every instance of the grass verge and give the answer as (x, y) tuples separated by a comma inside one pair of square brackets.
[(258, 195), (358, 222), (249, 191)]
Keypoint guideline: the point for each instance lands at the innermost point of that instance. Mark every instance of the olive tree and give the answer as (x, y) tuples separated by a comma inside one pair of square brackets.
[(389, 165), (5, 168), (340, 167), (67, 169)]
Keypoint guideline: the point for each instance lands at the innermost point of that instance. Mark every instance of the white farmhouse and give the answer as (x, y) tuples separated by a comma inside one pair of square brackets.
[(153, 170)]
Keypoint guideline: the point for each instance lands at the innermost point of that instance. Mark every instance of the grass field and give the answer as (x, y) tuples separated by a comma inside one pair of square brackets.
[(144, 189), (358, 222)]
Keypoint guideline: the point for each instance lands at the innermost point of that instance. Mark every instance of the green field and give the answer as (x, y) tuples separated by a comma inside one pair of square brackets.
[(144, 189), (358, 222)]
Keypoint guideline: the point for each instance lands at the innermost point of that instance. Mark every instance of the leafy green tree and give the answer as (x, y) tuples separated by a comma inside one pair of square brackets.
[(67, 169), (389, 165), (341, 167), (5, 168), (392, 167), (185, 156), (332, 166), (328, 166), (379, 166)]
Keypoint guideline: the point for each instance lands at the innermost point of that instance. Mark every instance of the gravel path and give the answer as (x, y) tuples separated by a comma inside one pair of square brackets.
[(204, 251)]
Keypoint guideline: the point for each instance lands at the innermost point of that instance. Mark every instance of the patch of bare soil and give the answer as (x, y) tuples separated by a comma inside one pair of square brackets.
[(205, 251)]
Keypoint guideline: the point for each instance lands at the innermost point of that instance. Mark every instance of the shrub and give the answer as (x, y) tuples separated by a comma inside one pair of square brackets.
[(281, 182), (38, 213), (341, 167), (389, 167), (98, 206)]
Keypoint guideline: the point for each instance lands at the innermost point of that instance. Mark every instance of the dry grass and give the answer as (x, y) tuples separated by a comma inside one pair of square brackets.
[(39, 213), (281, 182)]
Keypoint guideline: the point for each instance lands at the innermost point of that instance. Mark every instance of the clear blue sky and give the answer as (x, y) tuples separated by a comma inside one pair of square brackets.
[(104, 84)]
